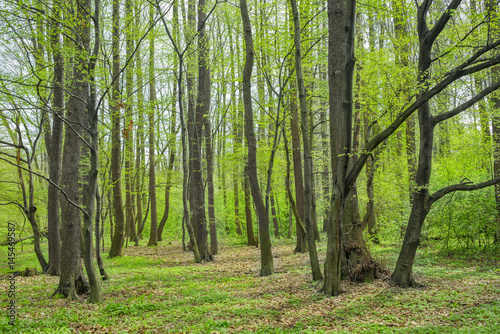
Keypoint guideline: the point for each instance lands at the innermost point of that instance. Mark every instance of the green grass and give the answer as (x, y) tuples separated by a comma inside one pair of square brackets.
[(156, 290)]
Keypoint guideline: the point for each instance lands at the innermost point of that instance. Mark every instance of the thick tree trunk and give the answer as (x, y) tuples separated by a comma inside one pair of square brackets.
[(72, 282), (266, 257), (495, 76), (325, 176), (202, 106), (340, 70), (55, 149), (115, 106), (90, 188)]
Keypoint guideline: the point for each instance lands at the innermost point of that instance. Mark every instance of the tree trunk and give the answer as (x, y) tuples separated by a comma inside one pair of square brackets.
[(275, 218), (98, 235), (115, 105), (140, 140), (248, 213), (301, 245), (308, 176), (210, 186), (495, 76), (340, 69), (266, 257), (153, 236), (128, 136), (54, 149), (72, 281), (402, 274), (202, 106), (173, 132)]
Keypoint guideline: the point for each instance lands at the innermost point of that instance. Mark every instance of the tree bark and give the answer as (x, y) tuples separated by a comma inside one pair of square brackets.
[(153, 236), (301, 245), (72, 281), (308, 176), (251, 241), (266, 257), (128, 136), (173, 129), (115, 105), (54, 148), (340, 70), (202, 107)]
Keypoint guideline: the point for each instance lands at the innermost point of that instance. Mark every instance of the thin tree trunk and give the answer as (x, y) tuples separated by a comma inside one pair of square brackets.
[(140, 141), (130, 231), (248, 213), (98, 235), (308, 176), (266, 257), (275, 219), (173, 129), (153, 236), (115, 106), (210, 186)]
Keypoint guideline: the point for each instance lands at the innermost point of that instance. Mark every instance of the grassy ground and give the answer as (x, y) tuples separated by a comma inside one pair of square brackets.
[(158, 290)]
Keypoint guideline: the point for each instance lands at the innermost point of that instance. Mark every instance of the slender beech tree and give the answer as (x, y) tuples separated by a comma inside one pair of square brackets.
[(185, 187), (266, 257), (153, 236), (203, 103), (115, 106), (308, 176), (91, 184), (128, 128), (54, 144), (173, 126)]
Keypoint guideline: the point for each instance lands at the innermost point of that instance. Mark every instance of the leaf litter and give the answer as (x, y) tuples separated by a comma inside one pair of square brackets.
[(228, 295)]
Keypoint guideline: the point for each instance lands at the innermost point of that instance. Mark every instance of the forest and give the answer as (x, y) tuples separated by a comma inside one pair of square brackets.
[(315, 161)]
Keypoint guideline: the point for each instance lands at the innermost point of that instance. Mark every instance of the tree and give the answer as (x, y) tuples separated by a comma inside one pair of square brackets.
[(422, 199), (308, 176), (115, 106), (266, 258), (153, 236), (72, 280), (53, 142)]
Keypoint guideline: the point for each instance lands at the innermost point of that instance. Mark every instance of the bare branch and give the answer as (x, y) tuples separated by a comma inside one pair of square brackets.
[(466, 186), (48, 180)]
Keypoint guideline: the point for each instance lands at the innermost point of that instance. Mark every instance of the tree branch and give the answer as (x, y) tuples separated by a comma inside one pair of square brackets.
[(48, 180), (466, 186), (464, 106)]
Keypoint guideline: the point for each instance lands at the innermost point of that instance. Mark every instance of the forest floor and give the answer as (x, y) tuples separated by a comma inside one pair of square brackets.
[(161, 289)]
